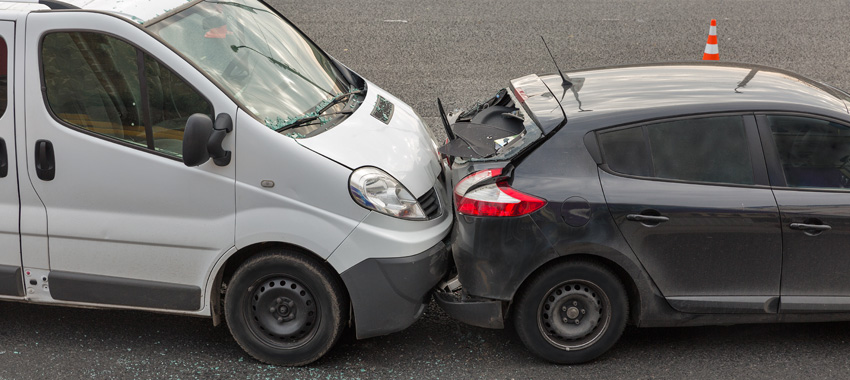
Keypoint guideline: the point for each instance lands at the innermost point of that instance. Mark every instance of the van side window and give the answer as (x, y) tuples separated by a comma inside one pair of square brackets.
[(93, 81), (171, 101), (711, 149), (814, 153)]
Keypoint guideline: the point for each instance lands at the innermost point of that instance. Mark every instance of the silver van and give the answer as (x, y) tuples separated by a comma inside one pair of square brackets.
[(206, 158)]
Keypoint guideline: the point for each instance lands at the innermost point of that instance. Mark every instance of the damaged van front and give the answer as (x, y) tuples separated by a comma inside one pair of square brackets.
[(328, 167)]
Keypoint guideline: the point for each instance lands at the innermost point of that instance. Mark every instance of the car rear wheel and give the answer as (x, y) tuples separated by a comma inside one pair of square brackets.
[(285, 309), (571, 312)]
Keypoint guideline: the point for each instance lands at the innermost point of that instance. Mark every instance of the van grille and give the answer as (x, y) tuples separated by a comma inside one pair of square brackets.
[(430, 203)]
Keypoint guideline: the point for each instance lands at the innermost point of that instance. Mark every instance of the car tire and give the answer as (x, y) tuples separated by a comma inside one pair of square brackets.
[(571, 312), (285, 309)]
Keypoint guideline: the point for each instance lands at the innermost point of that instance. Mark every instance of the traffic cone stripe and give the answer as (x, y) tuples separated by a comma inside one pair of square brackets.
[(711, 53)]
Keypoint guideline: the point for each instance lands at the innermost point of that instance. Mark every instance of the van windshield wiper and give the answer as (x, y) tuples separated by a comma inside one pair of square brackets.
[(318, 114), (327, 104), (308, 119)]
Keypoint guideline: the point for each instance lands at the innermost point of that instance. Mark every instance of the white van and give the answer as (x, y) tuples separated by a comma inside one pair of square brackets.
[(206, 158)]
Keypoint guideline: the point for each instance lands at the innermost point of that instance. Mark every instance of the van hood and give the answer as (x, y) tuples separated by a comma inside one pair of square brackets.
[(385, 133)]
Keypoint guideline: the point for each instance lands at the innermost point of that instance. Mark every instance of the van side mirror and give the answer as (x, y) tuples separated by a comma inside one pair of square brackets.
[(202, 140), (198, 130)]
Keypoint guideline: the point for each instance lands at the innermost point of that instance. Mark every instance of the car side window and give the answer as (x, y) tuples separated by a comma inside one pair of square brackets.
[(627, 152), (711, 149), (93, 81), (814, 153)]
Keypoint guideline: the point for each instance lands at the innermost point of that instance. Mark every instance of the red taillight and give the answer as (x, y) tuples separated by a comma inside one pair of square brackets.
[(494, 199), (520, 95)]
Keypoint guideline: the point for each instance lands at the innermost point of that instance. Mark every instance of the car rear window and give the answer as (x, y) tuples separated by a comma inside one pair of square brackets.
[(712, 149), (626, 152)]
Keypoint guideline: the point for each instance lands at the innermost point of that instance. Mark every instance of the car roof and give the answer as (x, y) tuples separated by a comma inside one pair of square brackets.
[(139, 11), (625, 94)]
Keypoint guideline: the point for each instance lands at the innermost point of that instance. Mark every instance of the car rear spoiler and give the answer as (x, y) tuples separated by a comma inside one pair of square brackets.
[(471, 140), (539, 102)]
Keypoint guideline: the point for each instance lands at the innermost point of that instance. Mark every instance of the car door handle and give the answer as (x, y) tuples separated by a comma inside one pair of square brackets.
[(647, 218), (810, 227), (45, 162)]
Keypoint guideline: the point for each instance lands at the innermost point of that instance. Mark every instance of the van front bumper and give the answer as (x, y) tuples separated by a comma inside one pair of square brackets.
[(389, 294)]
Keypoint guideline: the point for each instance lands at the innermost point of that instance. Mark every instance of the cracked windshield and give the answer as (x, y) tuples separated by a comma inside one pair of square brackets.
[(276, 74)]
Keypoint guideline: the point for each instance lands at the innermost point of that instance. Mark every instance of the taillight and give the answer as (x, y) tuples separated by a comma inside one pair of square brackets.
[(492, 199)]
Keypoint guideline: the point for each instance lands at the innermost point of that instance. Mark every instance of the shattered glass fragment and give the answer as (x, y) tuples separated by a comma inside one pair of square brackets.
[(383, 110)]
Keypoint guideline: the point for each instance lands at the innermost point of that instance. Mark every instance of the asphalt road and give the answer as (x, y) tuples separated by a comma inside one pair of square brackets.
[(463, 51)]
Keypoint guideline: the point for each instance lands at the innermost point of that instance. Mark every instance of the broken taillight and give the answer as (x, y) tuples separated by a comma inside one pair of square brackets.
[(475, 197), (520, 94)]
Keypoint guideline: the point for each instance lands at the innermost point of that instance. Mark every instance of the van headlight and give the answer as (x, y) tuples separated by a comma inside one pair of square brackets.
[(376, 190)]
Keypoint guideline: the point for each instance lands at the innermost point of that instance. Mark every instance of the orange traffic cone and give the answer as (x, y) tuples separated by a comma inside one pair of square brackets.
[(711, 52)]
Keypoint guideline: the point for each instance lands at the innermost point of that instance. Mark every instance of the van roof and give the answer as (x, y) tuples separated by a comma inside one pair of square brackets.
[(139, 11)]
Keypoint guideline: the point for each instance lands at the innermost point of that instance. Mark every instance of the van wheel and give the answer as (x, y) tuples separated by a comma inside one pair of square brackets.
[(571, 312), (285, 309)]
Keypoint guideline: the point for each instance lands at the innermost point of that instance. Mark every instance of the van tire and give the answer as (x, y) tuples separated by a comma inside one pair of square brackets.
[(571, 312), (284, 308)]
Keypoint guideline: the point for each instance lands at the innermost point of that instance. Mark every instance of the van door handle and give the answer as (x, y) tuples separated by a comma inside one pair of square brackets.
[(4, 159), (647, 219), (45, 162)]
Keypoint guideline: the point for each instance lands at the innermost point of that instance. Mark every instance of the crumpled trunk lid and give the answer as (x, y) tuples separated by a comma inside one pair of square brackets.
[(505, 125)]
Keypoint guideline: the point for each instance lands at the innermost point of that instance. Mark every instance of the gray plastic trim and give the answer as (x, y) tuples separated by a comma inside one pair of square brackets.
[(388, 294), (814, 304), (11, 282), (80, 287), (725, 304)]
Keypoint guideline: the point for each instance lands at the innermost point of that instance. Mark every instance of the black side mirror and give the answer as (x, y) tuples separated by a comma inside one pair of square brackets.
[(196, 136), (202, 140)]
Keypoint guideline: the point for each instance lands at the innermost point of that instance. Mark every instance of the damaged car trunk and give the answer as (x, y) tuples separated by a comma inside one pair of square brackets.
[(494, 134), (501, 127)]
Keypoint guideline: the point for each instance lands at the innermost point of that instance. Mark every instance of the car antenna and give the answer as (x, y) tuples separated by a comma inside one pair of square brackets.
[(449, 133), (566, 80)]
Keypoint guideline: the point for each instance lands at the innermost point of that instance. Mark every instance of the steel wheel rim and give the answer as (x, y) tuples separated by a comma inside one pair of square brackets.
[(282, 313), (568, 302)]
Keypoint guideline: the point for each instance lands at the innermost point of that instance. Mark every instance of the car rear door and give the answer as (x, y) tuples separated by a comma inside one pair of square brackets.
[(809, 161), (691, 197)]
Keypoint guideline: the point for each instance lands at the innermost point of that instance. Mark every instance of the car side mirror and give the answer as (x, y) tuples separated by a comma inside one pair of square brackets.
[(202, 140)]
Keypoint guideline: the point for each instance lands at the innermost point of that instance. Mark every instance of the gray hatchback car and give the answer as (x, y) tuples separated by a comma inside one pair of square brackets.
[(657, 195)]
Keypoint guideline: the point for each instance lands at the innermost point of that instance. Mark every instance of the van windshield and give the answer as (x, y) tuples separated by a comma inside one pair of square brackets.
[(261, 60)]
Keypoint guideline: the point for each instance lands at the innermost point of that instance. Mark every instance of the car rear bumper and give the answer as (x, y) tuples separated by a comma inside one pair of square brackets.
[(477, 312), (389, 294), (495, 255)]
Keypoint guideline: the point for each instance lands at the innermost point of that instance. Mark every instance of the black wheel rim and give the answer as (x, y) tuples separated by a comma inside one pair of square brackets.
[(574, 315), (283, 313)]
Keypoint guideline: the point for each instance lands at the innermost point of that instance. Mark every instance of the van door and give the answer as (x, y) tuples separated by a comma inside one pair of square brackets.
[(11, 282), (128, 223)]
